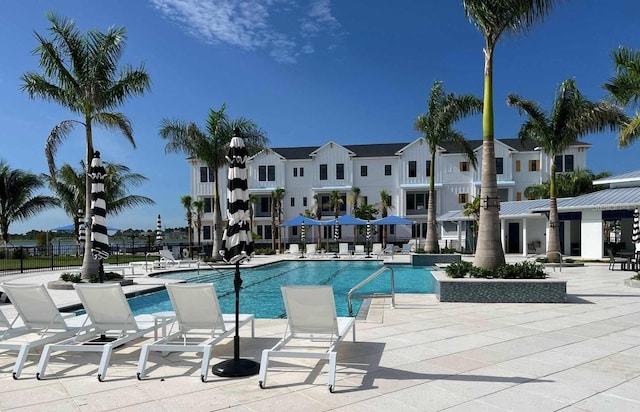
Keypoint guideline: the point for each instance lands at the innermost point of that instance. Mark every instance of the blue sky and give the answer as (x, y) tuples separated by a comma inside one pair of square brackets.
[(306, 71)]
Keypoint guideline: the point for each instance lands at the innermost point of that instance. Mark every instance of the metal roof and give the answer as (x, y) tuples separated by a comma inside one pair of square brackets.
[(608, 199), (520, 208), (633, 176)]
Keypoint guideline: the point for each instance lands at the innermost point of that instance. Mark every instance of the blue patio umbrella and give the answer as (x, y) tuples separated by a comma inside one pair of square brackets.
[(392, 220), (300, 220)]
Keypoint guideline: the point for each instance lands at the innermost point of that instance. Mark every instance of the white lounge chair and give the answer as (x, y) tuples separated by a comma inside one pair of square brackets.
[(112, 325), (294, 249), (359, 250), (311, 316), (376, 249), (343, 250), (200, 325), (167, 259), (312, 250), (38, 323), (406, 248)]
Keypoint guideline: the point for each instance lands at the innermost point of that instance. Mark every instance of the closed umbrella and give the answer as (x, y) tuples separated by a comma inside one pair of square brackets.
[(303, 239), (635, 235), (82, 233), (237, 245), (368, 235), (159, 236), (99, 238)]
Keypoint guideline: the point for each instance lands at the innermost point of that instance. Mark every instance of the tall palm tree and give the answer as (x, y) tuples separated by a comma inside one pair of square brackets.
[(276, 210), (17, 199), (81, 73), (572, 116), (354, 199), (383, 207), (198, 206), (318, 212), (442, 112), (473, 209), (624, 88), (210, 146), (335, 201), (493, 18), (187, 203), (69, 189)]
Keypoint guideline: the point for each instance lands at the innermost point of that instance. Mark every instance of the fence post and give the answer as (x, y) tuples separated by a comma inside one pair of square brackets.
[(51, 250), (21, 259)]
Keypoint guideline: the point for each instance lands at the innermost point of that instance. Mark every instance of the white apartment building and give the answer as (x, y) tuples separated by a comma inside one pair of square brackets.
[(401, 169)]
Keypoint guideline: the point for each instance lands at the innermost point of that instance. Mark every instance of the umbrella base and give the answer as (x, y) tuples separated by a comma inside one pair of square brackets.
[(234, 368)]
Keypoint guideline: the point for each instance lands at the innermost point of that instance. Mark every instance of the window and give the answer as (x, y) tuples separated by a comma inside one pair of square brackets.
[(533, 165), (499, 165), (413, 168), (328, 207), (208, 208), (365, 200), (416, 201), (294, 230), (262, 173), (295, 172), (340, 171), (387, 170), (271, 173), (363, 170), (293, 201), (304, 201), (204, 175), (464, 166), (558, 163), (265, 204), (568, 163), (302, 172), (463, 198), (267, 173), (206, 232), (428, 166), (518, 196), (517, 165), (323, 172)]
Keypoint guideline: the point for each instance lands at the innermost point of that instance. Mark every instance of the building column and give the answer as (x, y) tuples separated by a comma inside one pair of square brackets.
[(459, 233), (503, 235), (524, 237)]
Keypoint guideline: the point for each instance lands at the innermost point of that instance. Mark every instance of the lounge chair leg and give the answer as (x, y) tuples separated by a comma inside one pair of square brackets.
[(332, 371), (104, 361), (22, 357), (204, 369), (42, 364), (142, 362), (264, 363)]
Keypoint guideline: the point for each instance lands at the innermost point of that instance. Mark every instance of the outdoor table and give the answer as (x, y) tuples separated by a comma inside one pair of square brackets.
[(163, 317)]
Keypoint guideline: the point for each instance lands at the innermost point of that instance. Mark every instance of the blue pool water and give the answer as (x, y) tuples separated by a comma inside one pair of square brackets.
[(261, 293)]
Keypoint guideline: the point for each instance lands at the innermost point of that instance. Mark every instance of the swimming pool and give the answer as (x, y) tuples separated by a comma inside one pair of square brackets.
[(261, 293)]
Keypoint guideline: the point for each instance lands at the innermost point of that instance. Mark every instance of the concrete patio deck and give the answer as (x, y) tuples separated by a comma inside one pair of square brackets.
[(583, 355)]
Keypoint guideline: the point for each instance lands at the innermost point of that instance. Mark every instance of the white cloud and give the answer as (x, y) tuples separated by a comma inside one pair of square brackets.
[(253, 24)]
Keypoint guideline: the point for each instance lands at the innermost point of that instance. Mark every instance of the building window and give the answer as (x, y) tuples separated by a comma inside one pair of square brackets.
[(558, 163), (363, 170), (204, 175), (207, 205), (265, 204), (340, 171), (463, 198), (428, 165), (413, 168), (267, 173), (271, 173), (262, 173), (328, 207), (416, 202), (568, 163), (533, 165), (293, 202), (387, 170), (323, 172), (295, 172), (206, 232), (304, 201), (499, 165), (302, 172), (464, 166), (517, 165)]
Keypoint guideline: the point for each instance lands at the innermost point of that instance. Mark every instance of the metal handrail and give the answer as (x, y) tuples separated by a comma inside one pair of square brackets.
[(369, 279)]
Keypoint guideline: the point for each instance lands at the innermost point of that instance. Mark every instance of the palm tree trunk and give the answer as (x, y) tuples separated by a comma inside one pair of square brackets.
[(489, 253), (90, 266), (553, 247), (431, 241), (217, 220)]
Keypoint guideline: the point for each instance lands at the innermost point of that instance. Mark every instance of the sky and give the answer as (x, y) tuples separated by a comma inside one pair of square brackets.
[(306, 71)]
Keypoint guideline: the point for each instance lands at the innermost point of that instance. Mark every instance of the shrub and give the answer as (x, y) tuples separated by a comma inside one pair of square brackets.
[(477, 272), (458, 269), (108, 276), (636, 277), (71, 277), (265, 251)]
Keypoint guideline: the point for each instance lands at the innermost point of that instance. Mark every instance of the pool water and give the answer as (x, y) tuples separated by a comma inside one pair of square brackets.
[(261, 294)]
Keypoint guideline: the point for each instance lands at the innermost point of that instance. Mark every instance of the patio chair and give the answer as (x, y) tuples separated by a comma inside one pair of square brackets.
[(294, 249), (167, 259), (613, 260), (343, 250), (406, 249), (359, 250), (312, 249), (38, 323), (376, 249), (311, 317), (112, 325), (200, 325)]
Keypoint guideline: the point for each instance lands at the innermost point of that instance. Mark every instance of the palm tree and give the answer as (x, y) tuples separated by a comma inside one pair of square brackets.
[(335, 201), (473, 209), (568, 184), (81, 73), (624, 89), (493, 18), (253, 198), (68, 186), (198, 206), (276, 210), (571, 117), (17, 199), (318, 208), (210, 146), (443, 111), (383, 207), (354, 199), (187, 203)]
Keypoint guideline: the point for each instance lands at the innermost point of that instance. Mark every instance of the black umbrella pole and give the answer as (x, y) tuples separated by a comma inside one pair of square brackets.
[(236, 367)]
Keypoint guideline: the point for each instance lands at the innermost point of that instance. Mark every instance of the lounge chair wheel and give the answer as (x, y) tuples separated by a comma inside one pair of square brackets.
[(15, 376), (138, 376), (38, 377), (202, 378), (331, 388), (261, 384), (100, 378)]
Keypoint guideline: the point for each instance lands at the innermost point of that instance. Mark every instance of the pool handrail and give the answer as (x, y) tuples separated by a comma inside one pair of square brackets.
[(369, 279)]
